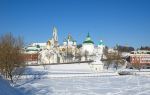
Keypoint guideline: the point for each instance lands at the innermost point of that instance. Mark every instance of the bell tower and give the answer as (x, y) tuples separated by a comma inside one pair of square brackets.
[(55, 37)]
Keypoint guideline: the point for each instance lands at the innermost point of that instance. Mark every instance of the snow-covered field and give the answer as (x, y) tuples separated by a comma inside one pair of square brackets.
[(80, 80), (112, 85)]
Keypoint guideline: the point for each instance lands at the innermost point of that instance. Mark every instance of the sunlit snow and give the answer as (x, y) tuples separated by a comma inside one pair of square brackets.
[(39, 81)]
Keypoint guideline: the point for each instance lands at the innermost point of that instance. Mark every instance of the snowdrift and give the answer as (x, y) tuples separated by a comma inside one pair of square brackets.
[(7, 89)]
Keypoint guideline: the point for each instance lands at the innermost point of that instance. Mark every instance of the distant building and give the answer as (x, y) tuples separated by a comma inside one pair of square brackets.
[(34, 48), (69, 41), (53, 52), (53, 42), (31, 52), (100, 47), (140, 57), (31, 58), (87, 48), (89, 51), (141, 52)]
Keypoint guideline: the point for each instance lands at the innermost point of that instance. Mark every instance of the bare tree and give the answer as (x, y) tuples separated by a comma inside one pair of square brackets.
[(11, 57), (118, 59), (109, 60), (108, 56), (113, 57), (137, 64)]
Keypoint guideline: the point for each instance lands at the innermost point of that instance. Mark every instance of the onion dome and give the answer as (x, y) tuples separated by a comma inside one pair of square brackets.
[(88, 40), (100, 42)]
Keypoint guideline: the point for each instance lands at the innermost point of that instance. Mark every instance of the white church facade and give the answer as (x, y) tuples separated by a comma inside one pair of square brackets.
[(89, 50)]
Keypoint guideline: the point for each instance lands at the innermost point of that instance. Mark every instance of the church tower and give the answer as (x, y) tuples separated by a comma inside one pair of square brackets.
[(53, 42), (87, 49), (55, 37)]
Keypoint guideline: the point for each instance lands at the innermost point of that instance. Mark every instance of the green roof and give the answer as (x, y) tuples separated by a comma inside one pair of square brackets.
[(100, 42), (32, 48), (88, 42), (88, 39)]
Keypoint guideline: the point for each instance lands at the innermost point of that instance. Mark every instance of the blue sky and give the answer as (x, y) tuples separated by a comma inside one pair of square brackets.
[(124, 22)]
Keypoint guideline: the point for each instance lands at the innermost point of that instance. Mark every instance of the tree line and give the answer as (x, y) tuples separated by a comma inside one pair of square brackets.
[(124, 48), (113, 58), (144, 48)]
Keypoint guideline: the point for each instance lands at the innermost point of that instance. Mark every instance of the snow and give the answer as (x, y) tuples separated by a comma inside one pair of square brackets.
[(66, 70), (79, 79), (144, 72), (7, 89), (112, 85), (40, 44), (76, 79)]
